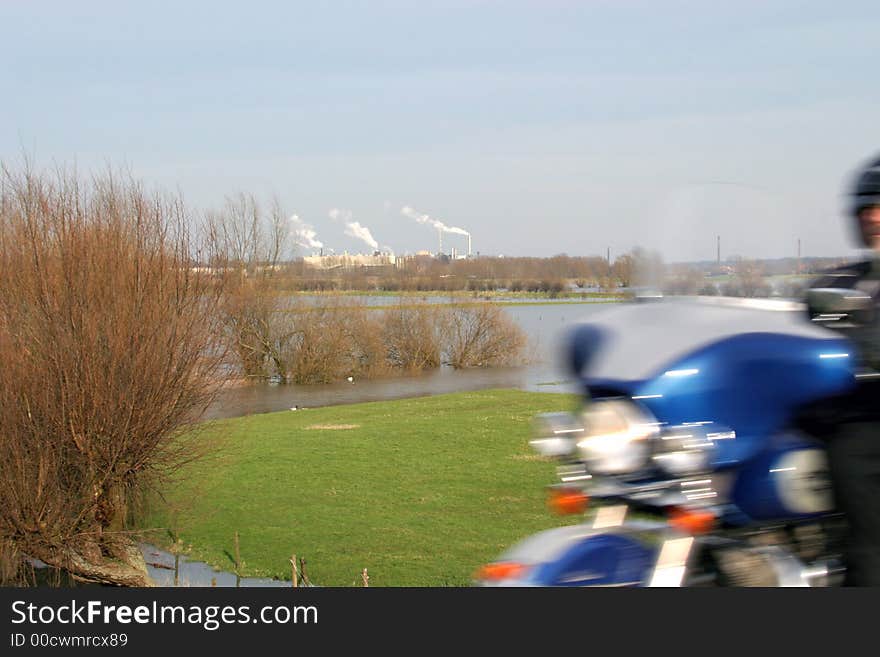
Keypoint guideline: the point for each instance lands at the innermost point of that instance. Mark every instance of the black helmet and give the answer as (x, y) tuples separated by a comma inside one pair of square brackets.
[(866, 190)]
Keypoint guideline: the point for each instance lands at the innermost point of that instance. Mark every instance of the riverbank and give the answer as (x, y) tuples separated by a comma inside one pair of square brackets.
[(500, 295), (470, 302), (421, 492)]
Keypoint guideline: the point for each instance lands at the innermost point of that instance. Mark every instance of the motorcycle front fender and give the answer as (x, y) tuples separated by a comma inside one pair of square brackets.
[(582, 555)]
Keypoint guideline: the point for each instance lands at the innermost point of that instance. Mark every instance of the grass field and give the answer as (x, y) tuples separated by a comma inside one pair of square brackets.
[(419, 491)]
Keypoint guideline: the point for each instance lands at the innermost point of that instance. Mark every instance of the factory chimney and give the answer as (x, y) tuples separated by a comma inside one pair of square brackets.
[(469, 245)]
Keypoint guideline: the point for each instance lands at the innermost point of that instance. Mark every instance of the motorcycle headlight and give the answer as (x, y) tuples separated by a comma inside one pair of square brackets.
[(686, 449), (617, 437)]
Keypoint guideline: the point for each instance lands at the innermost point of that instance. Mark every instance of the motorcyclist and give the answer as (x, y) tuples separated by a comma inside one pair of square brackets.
[(854, 441)]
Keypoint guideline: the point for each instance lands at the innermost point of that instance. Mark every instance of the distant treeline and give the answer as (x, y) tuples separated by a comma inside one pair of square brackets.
[(429, 273), (555, 276)]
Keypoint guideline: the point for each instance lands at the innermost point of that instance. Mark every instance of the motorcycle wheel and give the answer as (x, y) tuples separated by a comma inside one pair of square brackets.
[(732, 567)]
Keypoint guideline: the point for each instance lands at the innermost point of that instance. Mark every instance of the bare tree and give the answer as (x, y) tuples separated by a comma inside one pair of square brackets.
[(482, 336), (623, 270), (109, 350), (749, 279), (249, 308), (684, 280), (315, 343), (413, 337), (254, 245)]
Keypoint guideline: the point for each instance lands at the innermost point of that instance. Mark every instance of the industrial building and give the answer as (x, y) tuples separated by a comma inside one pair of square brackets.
[(349, 261)]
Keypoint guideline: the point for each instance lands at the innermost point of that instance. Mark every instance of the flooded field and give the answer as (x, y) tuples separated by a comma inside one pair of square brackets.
[(543, 324)]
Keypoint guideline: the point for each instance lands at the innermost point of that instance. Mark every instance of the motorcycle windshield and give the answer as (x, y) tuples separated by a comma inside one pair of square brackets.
[(741, 365), (630, 343)]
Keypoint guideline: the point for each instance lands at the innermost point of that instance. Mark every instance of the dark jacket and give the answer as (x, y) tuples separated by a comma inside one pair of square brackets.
[(862, 405)]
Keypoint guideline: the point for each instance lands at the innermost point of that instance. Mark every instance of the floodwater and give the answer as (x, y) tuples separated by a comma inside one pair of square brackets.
[(160, 566), (544, 372)]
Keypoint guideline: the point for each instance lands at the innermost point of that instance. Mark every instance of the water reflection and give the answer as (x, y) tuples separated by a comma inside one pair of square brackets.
[(160, 566)]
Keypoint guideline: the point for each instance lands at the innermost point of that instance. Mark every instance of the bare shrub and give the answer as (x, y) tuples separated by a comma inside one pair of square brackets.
[(684, 280), (248, 308), (333, 339), (413, 336), (108, 350), (555, 288), (708, 290), (365, 333), (482, 336), (272, 334), (749, 280), (731, 288), (330, 341)]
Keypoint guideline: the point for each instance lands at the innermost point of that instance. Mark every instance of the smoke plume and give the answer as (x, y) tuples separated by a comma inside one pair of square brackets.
[(304, 234), (336, 214), (425, 219), (354, 229)]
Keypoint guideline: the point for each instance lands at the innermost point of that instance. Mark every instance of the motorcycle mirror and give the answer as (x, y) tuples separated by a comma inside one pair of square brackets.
[(839, 305)]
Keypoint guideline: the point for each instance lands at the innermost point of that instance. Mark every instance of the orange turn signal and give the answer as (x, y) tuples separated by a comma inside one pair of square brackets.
[(494, 572), (692, 521), (567, 501)]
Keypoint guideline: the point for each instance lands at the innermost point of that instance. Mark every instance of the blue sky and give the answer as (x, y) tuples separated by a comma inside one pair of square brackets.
[(540, 127)]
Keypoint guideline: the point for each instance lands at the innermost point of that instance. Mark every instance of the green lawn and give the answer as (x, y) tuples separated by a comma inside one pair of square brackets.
[(419, 491)]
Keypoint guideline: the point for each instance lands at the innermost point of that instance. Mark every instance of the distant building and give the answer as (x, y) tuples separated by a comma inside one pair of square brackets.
[(350, 261)]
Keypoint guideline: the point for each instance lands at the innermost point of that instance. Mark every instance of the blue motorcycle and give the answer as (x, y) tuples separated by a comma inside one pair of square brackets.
[(697, 447)]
